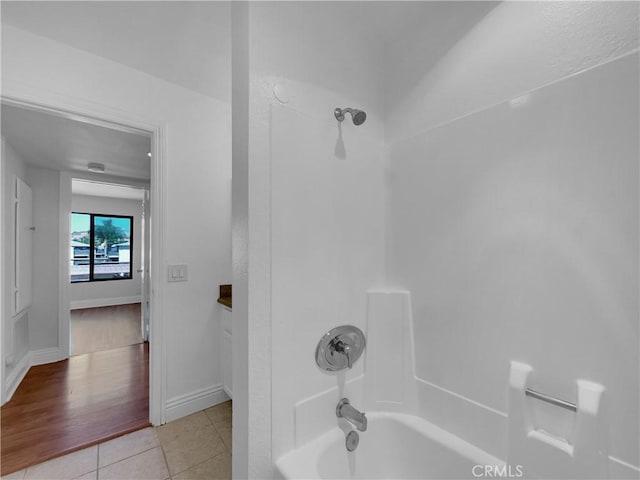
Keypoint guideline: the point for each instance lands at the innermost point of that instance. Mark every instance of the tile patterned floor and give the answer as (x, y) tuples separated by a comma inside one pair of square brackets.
[(197, 447)]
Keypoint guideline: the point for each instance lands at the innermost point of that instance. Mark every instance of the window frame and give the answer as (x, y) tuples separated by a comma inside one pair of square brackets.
[(92, 248)]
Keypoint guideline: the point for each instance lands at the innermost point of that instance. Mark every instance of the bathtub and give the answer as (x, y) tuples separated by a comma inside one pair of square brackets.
[(395, 446)]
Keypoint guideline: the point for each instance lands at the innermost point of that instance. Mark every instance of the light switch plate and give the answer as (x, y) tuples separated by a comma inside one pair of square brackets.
[(178, 273)]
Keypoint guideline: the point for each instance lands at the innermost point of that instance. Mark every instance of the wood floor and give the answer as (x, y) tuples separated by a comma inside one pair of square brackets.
[(104, 328), (64, 406)]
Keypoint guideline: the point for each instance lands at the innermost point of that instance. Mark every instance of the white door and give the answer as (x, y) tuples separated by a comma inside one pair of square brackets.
[(23, 245)]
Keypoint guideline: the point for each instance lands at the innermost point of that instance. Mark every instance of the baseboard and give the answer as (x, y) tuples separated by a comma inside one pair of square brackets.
[(104, 302), (228, 392), (195, 401), (16, 376), (46, 355)]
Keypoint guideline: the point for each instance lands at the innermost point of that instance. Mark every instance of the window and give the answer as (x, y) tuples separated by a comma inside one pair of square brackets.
[(100, 247)]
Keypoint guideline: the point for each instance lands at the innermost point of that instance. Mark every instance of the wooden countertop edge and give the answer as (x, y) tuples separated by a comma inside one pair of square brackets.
[(226, 301), (224, 297)]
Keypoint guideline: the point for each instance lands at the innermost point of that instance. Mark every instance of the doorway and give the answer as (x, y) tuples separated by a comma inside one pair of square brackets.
[(146, 236), (108, 258)]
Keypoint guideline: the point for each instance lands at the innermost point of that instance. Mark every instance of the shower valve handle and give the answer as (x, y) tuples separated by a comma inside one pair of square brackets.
[(340, 348), (344, 348)]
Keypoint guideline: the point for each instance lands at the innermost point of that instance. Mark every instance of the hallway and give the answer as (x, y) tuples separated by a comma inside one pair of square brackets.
[(105, 328), (65, 406)]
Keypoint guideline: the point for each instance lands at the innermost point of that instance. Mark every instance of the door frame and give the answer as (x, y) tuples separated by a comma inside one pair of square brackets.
[(146, 252), (100, 115)]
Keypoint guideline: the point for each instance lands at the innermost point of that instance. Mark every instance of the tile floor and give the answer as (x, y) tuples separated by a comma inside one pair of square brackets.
[(197, 447)]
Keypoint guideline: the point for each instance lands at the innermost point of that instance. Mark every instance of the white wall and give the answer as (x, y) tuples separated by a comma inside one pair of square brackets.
[(13, 346), (197, 184), (515, 223), (314, 213), (105, 293), (3, 269), (244, 411), (31, 337), (546, 41), (43, 319)]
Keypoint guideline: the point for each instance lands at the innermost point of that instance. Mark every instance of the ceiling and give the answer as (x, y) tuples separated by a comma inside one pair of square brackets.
[(189, 42), (183, 42), (98, 189), (54, 142)]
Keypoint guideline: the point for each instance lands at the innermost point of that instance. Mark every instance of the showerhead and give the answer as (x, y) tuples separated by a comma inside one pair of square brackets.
[(357, 116)]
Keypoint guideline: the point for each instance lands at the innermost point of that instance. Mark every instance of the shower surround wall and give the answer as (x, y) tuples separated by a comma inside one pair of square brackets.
[(319, 184), (513, 217), (513, 224)]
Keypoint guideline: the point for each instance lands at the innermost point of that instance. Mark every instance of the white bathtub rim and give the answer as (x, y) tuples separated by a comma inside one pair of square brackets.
[(302, 462)]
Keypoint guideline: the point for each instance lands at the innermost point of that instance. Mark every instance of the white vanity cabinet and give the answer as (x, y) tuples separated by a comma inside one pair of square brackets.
[(225, 350)]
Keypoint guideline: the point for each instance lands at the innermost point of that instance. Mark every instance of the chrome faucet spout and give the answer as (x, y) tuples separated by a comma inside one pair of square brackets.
[(357, 418)]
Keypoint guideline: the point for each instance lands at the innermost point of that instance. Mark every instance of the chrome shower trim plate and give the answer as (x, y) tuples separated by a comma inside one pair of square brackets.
[(340, 348)]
